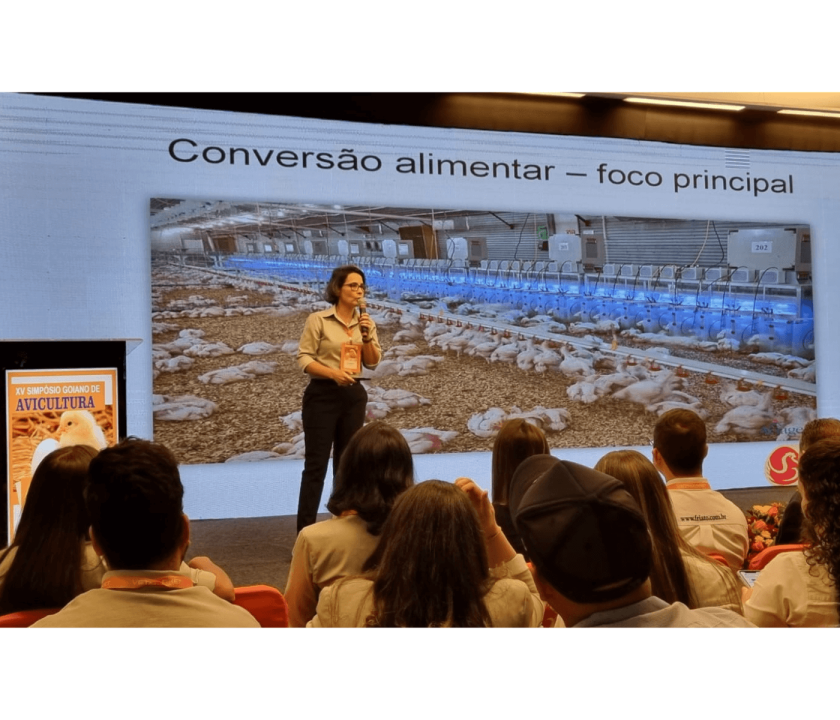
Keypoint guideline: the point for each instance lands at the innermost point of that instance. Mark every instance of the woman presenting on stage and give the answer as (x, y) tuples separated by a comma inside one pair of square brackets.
[(335, 345)]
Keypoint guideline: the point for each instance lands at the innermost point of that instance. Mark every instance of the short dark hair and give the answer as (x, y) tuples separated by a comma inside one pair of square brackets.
[(135, 501), (376, 466), (680, 438), (816, 430), (337, 280)]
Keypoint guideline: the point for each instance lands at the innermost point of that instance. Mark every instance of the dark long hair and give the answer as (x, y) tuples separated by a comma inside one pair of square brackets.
[(46, 571), (430, 568), (517, 440), (337, 280), (375, 468), (819, 477), (668, 577)]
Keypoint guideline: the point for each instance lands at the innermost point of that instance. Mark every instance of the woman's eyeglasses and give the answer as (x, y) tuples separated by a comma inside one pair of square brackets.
[(356, 286)]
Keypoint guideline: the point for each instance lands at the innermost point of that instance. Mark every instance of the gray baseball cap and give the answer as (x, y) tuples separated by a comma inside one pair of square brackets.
[(583, 531)]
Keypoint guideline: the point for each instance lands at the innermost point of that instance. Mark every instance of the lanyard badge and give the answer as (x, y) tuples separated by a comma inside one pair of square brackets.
[(351, 358)]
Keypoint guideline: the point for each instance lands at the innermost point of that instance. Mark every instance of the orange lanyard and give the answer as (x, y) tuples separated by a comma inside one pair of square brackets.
[(694, 485), (132, 582)]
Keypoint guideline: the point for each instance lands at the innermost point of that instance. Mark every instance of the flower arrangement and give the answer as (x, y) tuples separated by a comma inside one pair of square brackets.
[(763, 526)]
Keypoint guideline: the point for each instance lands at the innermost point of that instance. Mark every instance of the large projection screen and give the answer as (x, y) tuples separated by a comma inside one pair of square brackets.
[(707, 271)]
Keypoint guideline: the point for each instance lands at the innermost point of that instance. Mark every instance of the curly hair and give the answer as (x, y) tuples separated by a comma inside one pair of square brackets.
[(430, 568), (794, 527), (819, 479)]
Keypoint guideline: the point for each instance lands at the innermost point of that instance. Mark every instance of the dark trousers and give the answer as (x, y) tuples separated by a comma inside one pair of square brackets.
[(331, 414)]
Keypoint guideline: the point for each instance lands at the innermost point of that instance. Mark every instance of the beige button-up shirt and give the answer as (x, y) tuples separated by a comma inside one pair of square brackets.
[(512, 601), (323, 553), (325, 333)]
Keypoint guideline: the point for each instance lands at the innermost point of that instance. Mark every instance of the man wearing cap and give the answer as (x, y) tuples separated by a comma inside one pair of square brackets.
[(591, 551), (706, 519), (134, 498)]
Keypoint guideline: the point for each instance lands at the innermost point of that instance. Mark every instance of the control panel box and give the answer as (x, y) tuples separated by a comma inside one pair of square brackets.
[(565, 249), (760, 249)]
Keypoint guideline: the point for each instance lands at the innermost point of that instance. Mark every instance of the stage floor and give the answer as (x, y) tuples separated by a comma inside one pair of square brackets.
[(253, 551)]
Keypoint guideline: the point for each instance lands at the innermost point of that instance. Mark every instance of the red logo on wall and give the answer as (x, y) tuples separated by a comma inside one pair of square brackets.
[(782, 466)]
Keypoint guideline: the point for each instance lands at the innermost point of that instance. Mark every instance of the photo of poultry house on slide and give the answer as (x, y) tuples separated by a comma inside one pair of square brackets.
[(588, 326)]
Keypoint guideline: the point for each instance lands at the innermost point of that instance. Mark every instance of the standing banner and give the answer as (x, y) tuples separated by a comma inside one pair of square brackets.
[(50, 409)]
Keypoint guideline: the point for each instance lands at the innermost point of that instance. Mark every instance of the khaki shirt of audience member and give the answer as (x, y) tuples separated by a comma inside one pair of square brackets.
[(323, 553), (513, 600), (195, 606)]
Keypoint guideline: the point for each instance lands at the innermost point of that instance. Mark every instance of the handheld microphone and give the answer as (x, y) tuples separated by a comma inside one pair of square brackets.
[(362, 310)]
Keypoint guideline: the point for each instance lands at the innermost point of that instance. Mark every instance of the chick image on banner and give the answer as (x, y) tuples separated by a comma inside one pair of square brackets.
[(51, 409), (76, 427)]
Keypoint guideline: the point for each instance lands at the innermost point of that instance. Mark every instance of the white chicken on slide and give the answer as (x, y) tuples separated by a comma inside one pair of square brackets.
[(76, 427), (649, 392), (427, 439), (748, 419)]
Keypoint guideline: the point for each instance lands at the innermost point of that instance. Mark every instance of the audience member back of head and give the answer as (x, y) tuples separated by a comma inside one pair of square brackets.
[(517, 440), (441, 562), (134, 498), (51, 560), (375, 468), (799, 588), (592, 552), (793, 529), (679, 572), (706, 519)]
